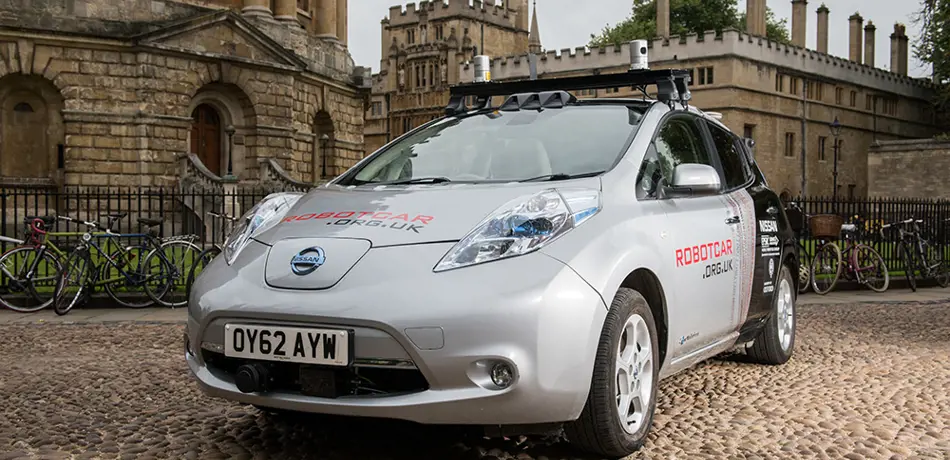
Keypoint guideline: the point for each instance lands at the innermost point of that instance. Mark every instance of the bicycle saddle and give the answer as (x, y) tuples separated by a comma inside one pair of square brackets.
[(150, 222)]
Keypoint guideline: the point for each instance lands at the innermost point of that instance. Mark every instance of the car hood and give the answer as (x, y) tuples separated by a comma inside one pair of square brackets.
[(401, 215)]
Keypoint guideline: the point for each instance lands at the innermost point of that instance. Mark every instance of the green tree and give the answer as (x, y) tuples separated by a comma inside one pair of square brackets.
[(933, 45), (697, 16)]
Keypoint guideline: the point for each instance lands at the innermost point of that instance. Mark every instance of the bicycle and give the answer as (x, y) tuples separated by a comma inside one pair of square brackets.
[(179, 250), (30, 279), (206, 256), (81, 272), (848, 263), (912, 248)]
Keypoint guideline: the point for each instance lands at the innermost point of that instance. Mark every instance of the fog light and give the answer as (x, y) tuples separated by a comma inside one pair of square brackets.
[(501, 375)]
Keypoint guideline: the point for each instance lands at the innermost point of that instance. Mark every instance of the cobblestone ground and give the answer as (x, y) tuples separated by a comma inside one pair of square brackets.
[(866, 382)]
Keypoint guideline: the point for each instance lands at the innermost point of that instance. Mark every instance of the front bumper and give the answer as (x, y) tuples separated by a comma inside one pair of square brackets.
[(532, 312)]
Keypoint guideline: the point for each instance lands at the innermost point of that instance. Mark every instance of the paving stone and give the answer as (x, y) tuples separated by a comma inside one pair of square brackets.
[(866, 381)]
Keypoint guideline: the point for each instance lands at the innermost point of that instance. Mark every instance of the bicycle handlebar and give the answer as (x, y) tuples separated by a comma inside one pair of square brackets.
[(222, 216), (92, 225)]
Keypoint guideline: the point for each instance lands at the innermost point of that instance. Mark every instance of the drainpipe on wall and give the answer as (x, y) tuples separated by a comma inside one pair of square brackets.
[(804, 139), (389, 116)]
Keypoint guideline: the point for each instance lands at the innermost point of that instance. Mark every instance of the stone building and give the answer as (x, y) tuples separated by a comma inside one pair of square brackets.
[(776, 94), (422, 50), (190, 94)]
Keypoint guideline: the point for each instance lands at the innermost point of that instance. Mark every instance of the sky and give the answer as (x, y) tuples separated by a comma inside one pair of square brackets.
[(564, 24)]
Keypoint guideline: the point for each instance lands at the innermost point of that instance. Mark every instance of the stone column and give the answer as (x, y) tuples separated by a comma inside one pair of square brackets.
[(325, 18), (286, 11), (869, 43), (342, 21), (755, 17), (823, 29), (899, 49), (257, 8), (799, 22), (855, 35), (663, 18)]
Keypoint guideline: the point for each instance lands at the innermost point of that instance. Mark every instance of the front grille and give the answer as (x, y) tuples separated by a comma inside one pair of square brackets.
[(309, 380)]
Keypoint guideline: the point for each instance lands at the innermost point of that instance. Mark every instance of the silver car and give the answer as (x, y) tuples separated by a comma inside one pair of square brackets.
[(537, 265)]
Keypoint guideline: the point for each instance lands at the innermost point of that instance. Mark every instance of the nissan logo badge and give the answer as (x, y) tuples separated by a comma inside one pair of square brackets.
[(308, 261)]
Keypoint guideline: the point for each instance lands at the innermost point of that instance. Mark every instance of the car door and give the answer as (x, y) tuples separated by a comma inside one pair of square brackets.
[(754, 279), (704, 256)]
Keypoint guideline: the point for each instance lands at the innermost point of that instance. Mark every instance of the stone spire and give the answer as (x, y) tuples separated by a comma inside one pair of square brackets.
[(534, 39)]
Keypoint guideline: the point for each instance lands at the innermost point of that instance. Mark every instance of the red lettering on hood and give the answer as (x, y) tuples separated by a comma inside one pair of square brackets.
[(369, 215), (703, 252)]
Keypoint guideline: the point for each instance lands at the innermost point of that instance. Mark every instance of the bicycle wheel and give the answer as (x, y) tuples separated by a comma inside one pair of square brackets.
[(23, 293), (180, 256), (937, 264), (126, 286), (871, 269), (910, 265), (76, 274), (161, 275), (203, 260), (826, 268), (804, 269)]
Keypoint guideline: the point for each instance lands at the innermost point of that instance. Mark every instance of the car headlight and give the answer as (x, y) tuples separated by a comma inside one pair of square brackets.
[(523, 226), (259, 219)]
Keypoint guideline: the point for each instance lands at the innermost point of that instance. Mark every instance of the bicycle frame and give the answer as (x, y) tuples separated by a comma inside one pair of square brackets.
[(151, 242)]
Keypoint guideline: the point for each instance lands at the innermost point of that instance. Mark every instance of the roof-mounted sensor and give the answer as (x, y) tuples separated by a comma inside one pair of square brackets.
[(672, 85)]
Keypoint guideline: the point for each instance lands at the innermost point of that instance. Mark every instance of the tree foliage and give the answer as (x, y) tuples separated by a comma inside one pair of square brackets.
[(933, 46), (686, 16)]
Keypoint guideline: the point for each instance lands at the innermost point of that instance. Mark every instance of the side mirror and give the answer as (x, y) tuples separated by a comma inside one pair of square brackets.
[(692, 179)]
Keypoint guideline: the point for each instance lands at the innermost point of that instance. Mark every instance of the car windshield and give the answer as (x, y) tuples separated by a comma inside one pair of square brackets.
[(497, 146)]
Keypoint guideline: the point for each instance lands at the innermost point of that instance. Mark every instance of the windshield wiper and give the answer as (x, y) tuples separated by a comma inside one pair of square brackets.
[(562, 176), (417, 180)]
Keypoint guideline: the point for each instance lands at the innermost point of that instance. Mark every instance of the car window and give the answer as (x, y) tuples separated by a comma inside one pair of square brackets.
[(679, 142), (508, 146), (734, 171), (651, 171)]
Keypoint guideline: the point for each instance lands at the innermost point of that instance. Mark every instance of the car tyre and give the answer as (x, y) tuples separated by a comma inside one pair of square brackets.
[(776, 341), (599, 429)]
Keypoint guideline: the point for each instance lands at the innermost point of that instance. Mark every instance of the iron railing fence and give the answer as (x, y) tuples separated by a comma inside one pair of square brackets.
[(874, 212)]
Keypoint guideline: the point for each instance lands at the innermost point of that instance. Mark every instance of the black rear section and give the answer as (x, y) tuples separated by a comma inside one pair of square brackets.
[(774, 245)]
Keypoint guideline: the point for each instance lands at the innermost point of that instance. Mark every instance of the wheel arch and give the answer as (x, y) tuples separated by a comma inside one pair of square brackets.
[(644, 281)]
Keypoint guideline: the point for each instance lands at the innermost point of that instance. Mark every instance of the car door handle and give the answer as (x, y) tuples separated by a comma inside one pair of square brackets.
[(732, 220)]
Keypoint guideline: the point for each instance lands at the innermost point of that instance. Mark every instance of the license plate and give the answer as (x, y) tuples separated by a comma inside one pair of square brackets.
[(327, 347)]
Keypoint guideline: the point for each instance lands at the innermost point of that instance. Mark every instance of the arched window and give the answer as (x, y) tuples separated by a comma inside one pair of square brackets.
[(23, 107)]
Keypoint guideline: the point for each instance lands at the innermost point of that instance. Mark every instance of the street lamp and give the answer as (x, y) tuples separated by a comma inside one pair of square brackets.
[(835, 132), (324, 140), (230, 132)]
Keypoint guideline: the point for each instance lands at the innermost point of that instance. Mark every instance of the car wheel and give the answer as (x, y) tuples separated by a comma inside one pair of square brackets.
[(622, 399), (776, 341)]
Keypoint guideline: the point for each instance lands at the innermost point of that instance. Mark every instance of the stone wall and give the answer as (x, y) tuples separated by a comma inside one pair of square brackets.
[(127, 107), (909, 169)]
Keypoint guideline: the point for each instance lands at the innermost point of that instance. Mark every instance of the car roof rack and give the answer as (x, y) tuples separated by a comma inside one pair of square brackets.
[(672, 86)]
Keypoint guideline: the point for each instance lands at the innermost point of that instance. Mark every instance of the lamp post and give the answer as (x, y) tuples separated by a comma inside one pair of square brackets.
[(230, 132), (835, 132), (324, 140)]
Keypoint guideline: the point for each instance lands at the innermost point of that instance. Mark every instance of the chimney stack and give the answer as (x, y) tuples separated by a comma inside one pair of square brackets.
[(663, 18), (855, 35), (799, 22), (755, 17), (869, 43), (823, 29), (899, 49)]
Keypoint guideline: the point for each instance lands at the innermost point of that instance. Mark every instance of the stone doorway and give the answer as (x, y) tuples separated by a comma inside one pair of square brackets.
[(206, 132), (31, 129)]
